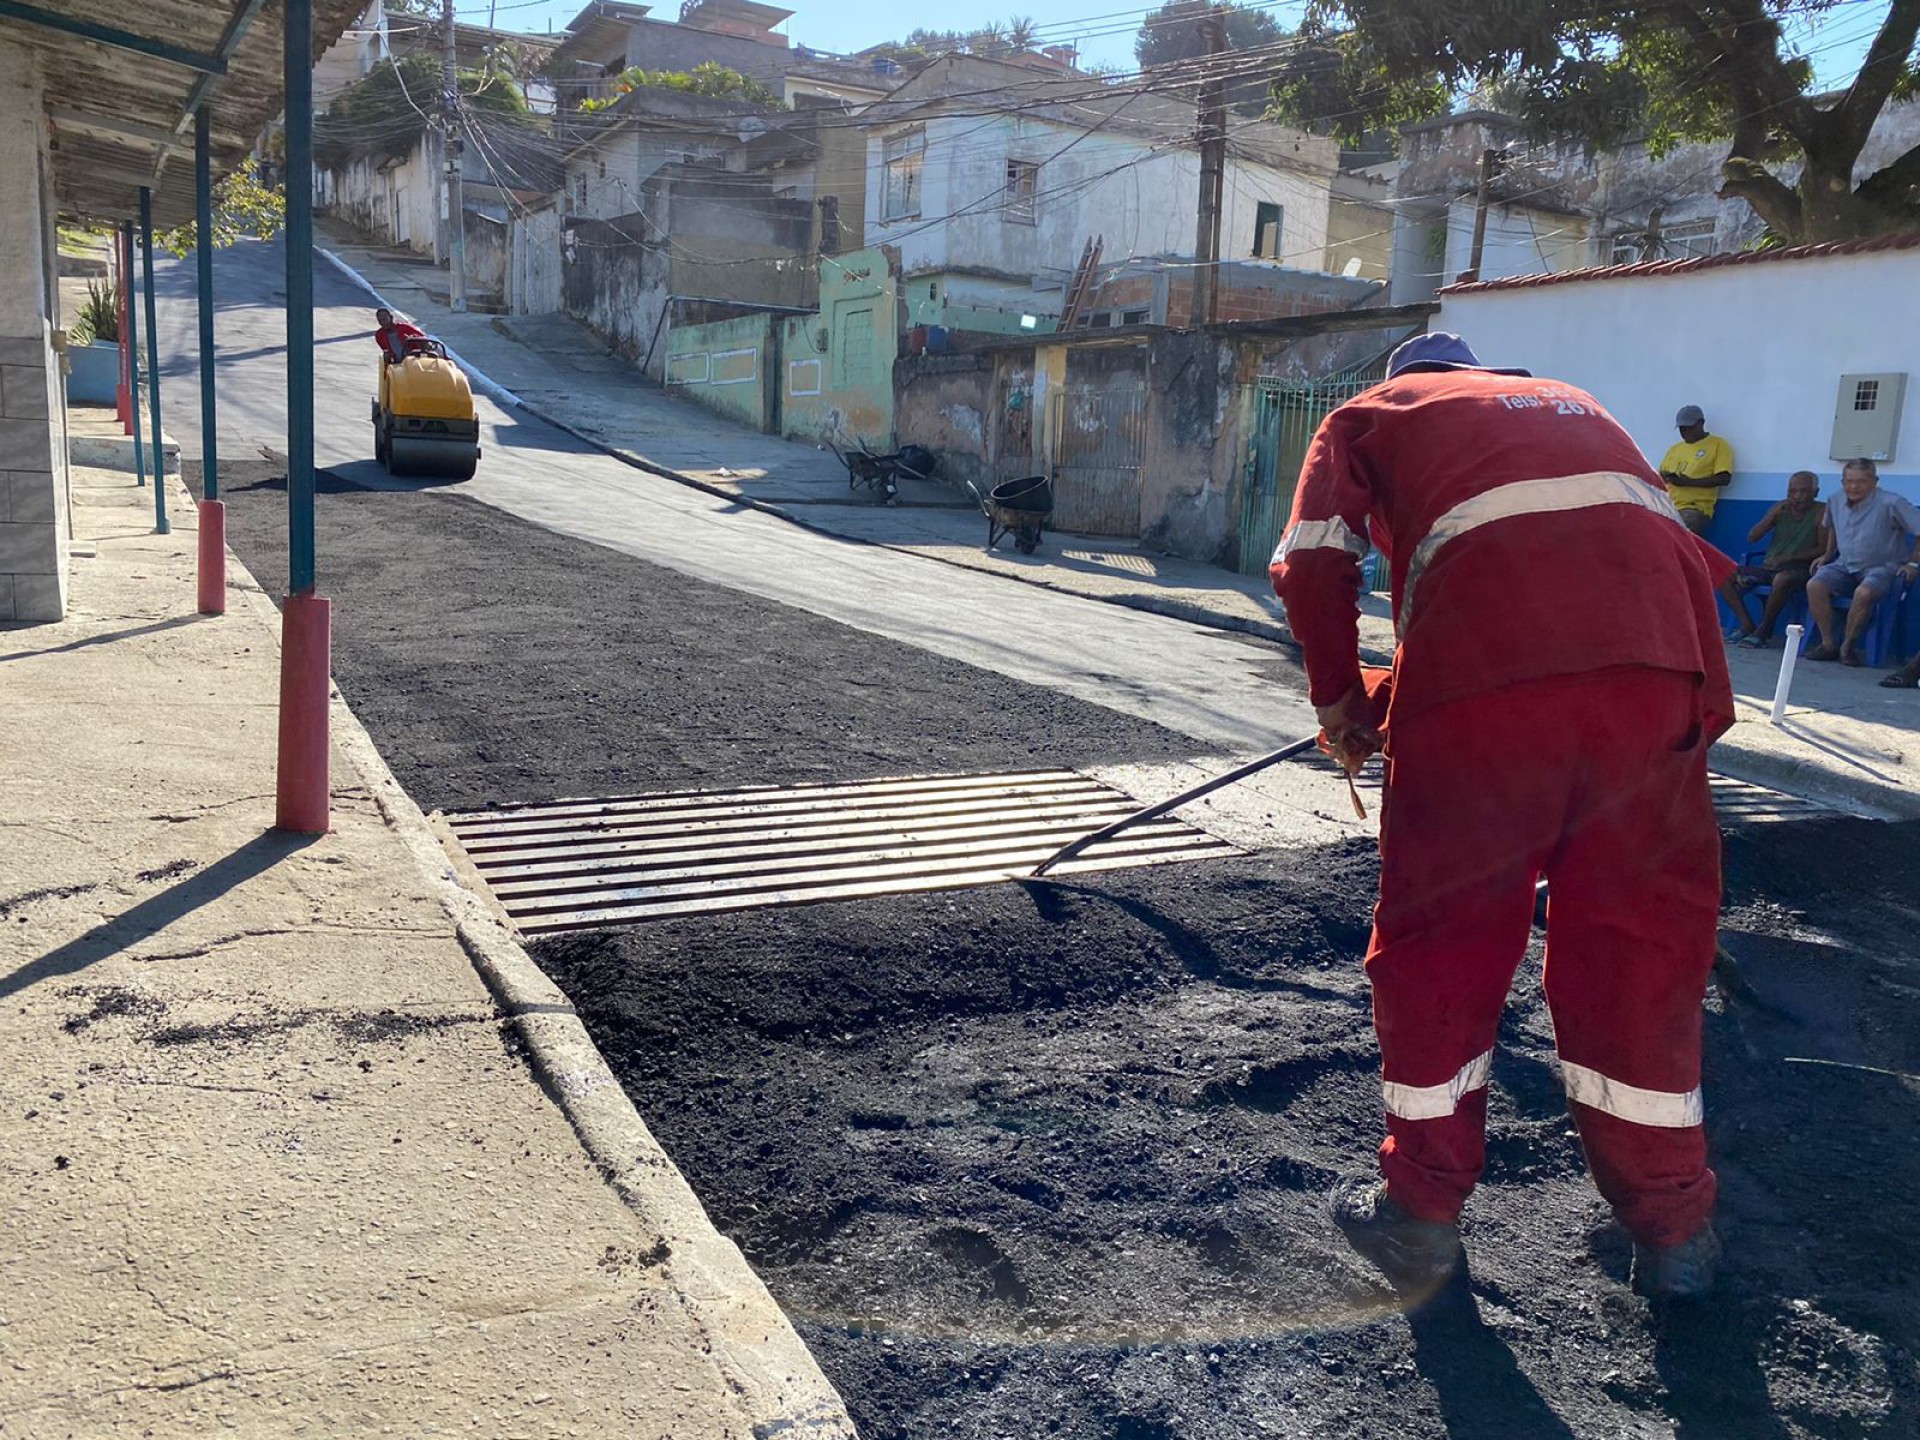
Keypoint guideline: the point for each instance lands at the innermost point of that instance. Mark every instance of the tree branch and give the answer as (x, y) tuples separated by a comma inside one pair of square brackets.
[(1852, 119), (1891, 185), (1771, 198)]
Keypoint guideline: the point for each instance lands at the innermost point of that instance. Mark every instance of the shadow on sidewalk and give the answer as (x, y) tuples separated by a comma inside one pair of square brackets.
[(151, 916), (154, 628)]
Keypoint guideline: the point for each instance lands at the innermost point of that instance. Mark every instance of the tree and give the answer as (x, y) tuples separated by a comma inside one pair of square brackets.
[(243, 208), (707, 78), (1659, 71), (1173, 34), (386, 112)]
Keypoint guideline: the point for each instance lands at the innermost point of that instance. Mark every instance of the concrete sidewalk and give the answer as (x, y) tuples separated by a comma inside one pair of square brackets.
[(1844, 740), (279, 1161)]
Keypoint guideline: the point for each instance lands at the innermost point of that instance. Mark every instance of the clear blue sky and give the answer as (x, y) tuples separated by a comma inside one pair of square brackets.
[(1104, 29)]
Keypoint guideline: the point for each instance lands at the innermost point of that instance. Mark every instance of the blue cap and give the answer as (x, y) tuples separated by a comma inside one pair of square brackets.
[(1439, 350)]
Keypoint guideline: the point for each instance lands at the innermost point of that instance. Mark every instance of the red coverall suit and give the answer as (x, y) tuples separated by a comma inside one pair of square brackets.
[(1558, 679)]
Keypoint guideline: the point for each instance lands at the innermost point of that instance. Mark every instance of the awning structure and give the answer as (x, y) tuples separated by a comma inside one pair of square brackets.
[(122, 82)]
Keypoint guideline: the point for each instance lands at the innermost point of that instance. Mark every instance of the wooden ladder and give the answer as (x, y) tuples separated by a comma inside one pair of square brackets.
[(1082, 285)]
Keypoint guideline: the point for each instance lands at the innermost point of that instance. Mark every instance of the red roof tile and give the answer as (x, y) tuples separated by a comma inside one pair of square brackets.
[(1686, 267)]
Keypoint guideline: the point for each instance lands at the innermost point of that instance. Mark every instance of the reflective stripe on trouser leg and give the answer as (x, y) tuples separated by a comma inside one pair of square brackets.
[(1635, 896), (1436, 1102), (1667, 1109)]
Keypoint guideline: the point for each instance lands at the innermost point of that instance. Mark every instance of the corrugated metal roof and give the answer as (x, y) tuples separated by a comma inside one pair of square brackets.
[(1646, 268), (115, 113)]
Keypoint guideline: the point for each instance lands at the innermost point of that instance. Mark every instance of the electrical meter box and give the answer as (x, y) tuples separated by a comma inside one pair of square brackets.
[(1866, 415)]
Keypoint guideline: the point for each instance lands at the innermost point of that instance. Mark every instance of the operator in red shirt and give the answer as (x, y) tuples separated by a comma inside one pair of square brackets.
[(1557, 681), (393, 335)]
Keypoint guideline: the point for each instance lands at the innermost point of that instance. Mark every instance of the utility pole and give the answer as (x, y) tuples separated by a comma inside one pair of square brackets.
[(1212, 130), (455, 200), (1489, 167)]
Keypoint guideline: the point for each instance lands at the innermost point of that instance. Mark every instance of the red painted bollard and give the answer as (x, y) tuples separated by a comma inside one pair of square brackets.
[(306, 646), (213, 557)]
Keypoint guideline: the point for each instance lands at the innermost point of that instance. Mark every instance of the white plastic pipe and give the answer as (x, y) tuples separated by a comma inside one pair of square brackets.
[(1785, 683)]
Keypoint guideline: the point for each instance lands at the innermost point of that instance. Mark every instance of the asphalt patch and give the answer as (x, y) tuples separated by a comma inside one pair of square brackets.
[(1049, 1160), (493, 660)]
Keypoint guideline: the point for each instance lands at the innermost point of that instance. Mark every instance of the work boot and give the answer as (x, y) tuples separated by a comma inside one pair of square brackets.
[(1417, 1256), (1677, 1272)]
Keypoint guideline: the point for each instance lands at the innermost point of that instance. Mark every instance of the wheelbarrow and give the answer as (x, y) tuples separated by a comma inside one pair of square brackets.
[(879, 473), (1018, 508)]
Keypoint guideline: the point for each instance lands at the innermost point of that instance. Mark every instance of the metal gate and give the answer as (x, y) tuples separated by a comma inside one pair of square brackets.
[(1097, 436), (1286, 414)]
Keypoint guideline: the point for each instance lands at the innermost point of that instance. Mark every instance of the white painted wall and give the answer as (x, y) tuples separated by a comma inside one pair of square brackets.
[(1760, 347), (397, 202), (1116, 186), (1519, 241)]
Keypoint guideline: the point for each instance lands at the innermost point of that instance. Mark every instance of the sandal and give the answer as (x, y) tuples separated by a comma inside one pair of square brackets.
[(1824, 652), (1900, 680)]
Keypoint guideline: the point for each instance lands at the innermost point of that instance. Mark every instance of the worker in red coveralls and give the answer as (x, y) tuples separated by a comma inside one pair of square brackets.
[(1558, 679), (392, 336)]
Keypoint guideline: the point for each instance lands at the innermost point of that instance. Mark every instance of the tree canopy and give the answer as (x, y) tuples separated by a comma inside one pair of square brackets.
[(994, 40), (1661, 72), (1173, 33), (707, 78), (387, 111)]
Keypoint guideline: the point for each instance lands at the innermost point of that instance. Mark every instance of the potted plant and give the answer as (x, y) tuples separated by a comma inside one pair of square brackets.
[(93, 347)]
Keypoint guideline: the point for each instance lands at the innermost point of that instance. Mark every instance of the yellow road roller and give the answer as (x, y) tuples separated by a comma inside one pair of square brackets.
[(423, 417)]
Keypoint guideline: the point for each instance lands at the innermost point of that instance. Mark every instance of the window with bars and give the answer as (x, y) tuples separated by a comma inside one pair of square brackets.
[(1023, 189), (900, 184)]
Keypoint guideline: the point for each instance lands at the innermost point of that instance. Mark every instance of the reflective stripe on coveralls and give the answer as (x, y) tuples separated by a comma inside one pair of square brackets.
[(1334, 534), (1667, 1109), (1531, 497), (1436, 1102)]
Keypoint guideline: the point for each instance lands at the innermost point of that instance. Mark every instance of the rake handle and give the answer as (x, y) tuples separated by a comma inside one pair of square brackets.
[(1173, 802)]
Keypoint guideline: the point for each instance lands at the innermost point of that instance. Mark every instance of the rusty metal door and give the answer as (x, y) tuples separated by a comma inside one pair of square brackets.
[(1097, 435)]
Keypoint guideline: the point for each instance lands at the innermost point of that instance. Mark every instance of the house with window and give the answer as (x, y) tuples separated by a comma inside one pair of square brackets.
[(992, 183)]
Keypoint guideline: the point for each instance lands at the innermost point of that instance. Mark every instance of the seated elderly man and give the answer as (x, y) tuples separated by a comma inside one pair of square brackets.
[(1794, 539), (1867, 547)]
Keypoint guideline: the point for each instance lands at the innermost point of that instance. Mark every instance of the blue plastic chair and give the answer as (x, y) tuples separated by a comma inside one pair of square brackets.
[(1876, 646), (1794, 614)]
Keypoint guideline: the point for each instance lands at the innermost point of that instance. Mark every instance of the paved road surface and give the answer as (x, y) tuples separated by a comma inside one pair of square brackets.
[(1221, 690)]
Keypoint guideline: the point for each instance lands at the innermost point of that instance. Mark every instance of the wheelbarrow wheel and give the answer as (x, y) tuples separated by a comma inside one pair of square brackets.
[(1027, 543)]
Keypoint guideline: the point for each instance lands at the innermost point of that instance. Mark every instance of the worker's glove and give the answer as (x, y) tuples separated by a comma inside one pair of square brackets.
[(1349, 729)]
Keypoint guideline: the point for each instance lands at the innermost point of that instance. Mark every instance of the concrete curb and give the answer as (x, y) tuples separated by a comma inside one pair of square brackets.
[(480, 377), (773, 1375), (1812, 781)]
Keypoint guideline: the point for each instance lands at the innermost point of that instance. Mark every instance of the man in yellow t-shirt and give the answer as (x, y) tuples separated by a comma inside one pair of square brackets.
[(1696, 469)]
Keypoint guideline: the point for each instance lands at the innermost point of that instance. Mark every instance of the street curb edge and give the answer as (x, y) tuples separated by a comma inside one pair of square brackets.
[(775, 1378)]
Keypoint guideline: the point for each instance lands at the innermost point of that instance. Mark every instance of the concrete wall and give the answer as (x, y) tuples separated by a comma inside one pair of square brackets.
[(1360, 225), (726, 365), (1110, 185), (616, 284), (836, 380), (395, 200), (945, 403), (33, 447), (1783, 333)]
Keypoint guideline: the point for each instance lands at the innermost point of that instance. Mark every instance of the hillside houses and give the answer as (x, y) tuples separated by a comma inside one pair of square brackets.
[(991, 212)]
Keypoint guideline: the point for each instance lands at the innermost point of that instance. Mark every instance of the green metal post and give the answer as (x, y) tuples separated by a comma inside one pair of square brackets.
[(203, 254), (160, 523), (133, 356), (299, 88)]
